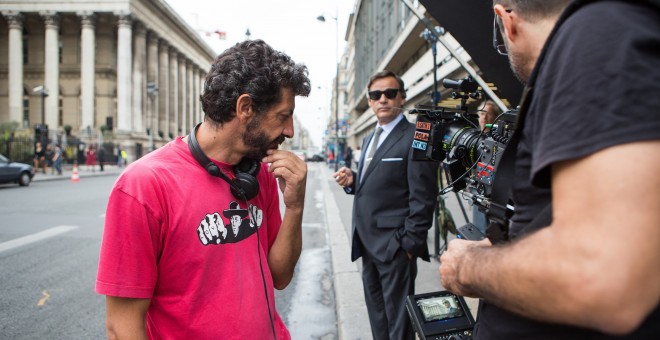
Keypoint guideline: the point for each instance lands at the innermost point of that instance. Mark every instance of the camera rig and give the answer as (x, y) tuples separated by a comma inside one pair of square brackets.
[(470, 156)]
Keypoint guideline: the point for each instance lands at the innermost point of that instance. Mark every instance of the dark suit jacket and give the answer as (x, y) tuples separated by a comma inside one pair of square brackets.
[(394, 202)]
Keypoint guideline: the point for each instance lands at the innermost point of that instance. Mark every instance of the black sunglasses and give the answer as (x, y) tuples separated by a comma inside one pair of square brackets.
[(389, 94)]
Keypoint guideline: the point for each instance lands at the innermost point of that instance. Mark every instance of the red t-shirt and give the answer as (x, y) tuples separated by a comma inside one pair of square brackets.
[(169, 237)]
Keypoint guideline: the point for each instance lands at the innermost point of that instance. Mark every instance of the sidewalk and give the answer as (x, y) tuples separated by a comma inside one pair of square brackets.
[(83, 172), (352, 317)]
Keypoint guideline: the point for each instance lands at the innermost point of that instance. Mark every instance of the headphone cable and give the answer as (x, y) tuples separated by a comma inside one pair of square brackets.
[(263, 276)]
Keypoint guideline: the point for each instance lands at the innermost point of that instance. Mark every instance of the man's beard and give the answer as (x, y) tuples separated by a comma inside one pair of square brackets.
[(517, 62), (258, 141)]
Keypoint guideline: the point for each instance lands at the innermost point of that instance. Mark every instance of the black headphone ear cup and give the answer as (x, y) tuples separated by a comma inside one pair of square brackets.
[(246, 178), (248, 184)]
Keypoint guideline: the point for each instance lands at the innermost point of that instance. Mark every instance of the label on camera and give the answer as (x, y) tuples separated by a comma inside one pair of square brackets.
[(419, 145), (423, 126), (422, 136)]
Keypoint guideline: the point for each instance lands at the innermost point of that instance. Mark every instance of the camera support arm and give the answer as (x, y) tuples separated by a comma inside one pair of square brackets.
[(469, 69)]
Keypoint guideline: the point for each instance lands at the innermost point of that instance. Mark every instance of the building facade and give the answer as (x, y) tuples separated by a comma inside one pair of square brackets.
[(131, 70), (386, 34)]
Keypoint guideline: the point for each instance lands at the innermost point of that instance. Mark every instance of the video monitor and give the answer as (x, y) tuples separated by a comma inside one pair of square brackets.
[(440, 308), (438, 315)]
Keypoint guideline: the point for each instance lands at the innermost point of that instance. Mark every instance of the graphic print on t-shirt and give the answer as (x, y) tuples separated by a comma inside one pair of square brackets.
[(213, 230)]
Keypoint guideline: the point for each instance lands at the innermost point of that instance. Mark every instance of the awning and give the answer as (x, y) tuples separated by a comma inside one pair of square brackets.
[(471, 23)]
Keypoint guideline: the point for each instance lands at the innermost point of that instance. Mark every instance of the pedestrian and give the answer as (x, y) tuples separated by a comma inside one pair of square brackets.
[(582, 259), (90, 158), (392, 210), (124, 156), (173, 266), (331, 157), (80, 154), (101, 157), (120, 159), (57, 159), (48, 155), (39, 157), (348, 157)]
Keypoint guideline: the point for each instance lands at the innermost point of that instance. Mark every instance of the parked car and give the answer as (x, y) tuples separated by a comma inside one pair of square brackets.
[(316, 158), (14, 172)]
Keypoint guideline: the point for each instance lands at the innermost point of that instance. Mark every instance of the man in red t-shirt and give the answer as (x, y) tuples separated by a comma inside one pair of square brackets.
[(194, 244)]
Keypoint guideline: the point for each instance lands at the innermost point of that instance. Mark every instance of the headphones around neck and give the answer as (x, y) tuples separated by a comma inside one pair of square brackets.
[(245, 186)]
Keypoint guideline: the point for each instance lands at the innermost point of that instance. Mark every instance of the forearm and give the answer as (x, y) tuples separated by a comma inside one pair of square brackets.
[(599, 287), (286, 249), (126, 318)]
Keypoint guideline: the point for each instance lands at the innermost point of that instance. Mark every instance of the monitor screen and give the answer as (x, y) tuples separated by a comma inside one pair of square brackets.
[(440, 308)]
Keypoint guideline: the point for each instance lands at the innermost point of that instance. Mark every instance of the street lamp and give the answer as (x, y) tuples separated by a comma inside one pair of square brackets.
[(43, 92), (321, 18)]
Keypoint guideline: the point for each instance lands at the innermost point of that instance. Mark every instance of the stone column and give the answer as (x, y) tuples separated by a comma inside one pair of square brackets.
[(139, 76), (174, 92), (87, 68), (183, 106), (15, 21), (152, 78), (198, 115), (164, 92), (124, 71), (191, 96), (202, 76), (52, 69)]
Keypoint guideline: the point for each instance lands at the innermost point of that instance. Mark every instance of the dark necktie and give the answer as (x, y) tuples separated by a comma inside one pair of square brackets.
[(372, 151)]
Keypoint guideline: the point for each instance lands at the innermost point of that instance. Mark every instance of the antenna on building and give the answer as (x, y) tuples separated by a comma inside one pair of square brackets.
[(247, 34)]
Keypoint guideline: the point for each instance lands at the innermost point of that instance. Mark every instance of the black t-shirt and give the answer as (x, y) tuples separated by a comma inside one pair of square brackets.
[(599, 86)]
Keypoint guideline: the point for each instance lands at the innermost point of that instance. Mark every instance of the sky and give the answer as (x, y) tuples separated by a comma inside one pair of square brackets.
[(290, 26)]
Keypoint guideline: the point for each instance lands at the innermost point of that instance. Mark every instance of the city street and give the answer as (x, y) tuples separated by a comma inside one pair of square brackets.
[(50, 234)]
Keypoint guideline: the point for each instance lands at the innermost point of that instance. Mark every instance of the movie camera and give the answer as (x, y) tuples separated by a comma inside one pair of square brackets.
[(469, 156)]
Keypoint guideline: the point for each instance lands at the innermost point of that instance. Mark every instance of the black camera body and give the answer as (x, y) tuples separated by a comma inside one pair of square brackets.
[(469, 156)]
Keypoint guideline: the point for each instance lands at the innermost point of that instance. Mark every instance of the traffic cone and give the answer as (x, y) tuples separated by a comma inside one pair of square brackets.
[(74, 174)]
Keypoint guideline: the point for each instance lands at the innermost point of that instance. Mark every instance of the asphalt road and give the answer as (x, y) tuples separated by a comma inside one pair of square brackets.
[(50, 234)]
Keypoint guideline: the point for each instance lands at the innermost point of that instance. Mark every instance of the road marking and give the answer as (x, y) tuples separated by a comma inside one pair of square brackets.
[(43, 299), (21, 241)]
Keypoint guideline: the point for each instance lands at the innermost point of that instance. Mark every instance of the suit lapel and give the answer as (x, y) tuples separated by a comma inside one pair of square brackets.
[(391, 140)]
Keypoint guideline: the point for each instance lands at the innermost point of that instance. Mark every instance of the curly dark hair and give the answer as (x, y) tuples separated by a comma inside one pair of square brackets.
[(251, 67)]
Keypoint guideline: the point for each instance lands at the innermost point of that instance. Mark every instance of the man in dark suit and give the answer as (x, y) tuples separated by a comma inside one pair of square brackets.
[(392, 211)]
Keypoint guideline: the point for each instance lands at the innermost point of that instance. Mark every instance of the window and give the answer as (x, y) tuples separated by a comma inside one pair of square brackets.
[(26, 47), (26, 111)]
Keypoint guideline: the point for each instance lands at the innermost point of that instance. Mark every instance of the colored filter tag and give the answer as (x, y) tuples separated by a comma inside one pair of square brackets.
[(419, 145), (422, 136)]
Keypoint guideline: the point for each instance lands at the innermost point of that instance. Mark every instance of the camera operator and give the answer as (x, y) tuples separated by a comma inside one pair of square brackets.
[(589, 152), (487, 115)]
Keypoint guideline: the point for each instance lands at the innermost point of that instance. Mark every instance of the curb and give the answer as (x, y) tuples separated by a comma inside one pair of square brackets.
[(349, 298)]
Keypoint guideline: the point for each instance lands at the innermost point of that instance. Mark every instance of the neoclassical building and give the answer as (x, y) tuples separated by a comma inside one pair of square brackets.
[(133, 66)]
